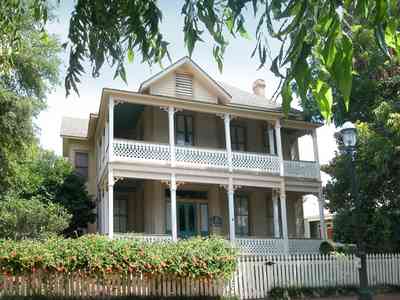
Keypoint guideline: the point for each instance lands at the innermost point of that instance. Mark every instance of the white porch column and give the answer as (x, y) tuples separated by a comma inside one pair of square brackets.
[(277, 230), (315, 144), (231, 209), (110, 206), (111, 129), (322, 225), (171, 123), (174, 229), (285, 234), (272, 149), (102, 212), (315, 149), (279, 145), (227, 123)]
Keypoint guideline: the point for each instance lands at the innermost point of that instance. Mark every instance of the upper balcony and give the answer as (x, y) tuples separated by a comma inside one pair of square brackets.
[(200, 141), (213, 159)]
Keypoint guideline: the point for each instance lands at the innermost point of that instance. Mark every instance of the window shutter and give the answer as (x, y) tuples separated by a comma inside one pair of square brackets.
[(183, 85)]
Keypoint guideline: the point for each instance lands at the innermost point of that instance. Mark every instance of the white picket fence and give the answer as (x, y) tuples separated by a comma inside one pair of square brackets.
[(254, 278)]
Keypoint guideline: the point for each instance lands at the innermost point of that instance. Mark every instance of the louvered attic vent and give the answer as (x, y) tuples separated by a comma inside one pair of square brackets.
[(184, 85)]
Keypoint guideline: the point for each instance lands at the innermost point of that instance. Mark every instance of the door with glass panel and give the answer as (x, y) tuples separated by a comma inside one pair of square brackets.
[(241, 215), (186, 219)]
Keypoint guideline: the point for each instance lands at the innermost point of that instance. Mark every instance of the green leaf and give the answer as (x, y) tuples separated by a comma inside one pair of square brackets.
[(323, 94), (345, 81), (287, 98), (380, 38), (131, 55), (301, 71)]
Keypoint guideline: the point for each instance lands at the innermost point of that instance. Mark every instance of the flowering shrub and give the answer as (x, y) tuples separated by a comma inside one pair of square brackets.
[(97, 256)]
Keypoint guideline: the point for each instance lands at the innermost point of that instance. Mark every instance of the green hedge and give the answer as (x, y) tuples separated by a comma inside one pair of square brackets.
[(97, 256)]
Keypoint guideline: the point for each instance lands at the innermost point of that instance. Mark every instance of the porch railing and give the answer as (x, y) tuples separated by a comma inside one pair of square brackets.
[(305, 169), (200, 158), (246, 246), (140, 151), (150, 238), (251, 246)]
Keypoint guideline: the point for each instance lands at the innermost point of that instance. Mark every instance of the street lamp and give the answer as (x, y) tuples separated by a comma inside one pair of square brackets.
[(349, 136), (348, 132)]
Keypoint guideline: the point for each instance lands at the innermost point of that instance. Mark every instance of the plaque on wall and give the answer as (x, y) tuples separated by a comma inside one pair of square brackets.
[(216, 221)]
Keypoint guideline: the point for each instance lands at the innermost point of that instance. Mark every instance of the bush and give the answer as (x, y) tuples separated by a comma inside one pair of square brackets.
[(31, 219), (326, 247), (97, 256), (292, 293)]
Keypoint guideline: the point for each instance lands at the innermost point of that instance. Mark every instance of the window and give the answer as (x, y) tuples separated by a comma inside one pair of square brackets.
[(204, 219), (269, 140), (184, 85), (168, 217), (242, 215), (238, 138), (184, 130), (82, 164), (121, 212)]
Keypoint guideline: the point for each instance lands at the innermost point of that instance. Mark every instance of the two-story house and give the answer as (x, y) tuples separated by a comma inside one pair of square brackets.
[(186, 155)]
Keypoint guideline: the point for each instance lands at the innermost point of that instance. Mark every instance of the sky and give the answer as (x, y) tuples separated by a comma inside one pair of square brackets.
[(239, 70)]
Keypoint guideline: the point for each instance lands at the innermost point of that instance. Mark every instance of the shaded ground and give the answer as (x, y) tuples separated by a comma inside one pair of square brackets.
[(377, 297)]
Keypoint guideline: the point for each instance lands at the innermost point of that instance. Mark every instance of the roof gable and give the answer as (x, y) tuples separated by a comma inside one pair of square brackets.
[(204, 87)]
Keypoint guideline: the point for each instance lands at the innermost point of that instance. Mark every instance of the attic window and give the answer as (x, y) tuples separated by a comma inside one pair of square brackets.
[(183, 85)]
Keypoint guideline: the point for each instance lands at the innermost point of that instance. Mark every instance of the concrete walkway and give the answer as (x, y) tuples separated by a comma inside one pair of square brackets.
[(377, 297)]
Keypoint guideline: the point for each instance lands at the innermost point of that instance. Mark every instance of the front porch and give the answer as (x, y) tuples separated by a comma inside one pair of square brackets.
[(142, 209)]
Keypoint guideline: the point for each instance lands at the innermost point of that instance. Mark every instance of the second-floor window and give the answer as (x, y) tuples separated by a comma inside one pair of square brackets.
[(82, 164), (184, 130), (269, 140), (238, 137)]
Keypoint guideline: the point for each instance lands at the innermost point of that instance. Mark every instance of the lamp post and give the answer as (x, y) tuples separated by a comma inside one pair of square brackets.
[(348, 133)]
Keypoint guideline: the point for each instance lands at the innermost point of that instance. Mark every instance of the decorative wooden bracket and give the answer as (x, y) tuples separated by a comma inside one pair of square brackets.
[(118, 178), (226, 187), (168, 183), (118, 102)]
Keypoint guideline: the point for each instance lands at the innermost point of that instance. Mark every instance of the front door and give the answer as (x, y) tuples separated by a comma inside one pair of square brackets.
[(186, 219)]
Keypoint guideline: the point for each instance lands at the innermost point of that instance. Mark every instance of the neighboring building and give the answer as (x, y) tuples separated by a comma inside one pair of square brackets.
[(312, 217), (312, 227), (186, 155)]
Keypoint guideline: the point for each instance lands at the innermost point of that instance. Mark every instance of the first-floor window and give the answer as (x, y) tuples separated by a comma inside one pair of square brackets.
[(204, 219), (168, 217), (242, 215), (121, 213)]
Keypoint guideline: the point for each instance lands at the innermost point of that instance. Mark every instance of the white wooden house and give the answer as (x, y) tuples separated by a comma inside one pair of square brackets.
[(186, 155)]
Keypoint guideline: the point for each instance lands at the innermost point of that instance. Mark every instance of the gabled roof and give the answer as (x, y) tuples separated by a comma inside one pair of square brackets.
[(186, 61), (74, 127)]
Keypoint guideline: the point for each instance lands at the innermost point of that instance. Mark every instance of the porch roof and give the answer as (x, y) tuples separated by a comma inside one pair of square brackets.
[(74, 127)]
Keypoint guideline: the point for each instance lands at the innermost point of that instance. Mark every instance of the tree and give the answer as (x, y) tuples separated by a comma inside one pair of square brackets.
[(375, 107), (44, 175), (28, 70), (31, 219), (315, 36)]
